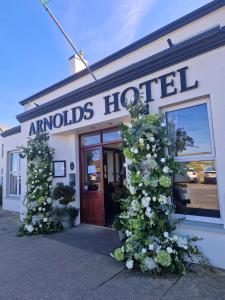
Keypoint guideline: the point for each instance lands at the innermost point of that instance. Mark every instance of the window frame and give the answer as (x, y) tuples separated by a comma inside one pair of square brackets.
[(17, 173), (198, 157)]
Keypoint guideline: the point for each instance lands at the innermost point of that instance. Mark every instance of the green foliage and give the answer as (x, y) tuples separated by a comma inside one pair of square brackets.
[(146, 220), (38, 203), (70, 211), (63, 193)]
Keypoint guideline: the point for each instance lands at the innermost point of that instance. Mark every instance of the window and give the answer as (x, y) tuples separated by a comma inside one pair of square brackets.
[(14, 174), (195, 189), (90, 139), (102, 137), (111, 135)]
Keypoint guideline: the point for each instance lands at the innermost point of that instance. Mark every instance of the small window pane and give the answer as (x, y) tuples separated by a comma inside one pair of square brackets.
[(90, 139), (195, 190), (14, 162), (112, 135), (92, 170), (13, 184), (189, 129)]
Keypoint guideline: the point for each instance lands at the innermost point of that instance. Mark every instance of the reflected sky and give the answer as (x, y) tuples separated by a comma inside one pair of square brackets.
[(193, 120)]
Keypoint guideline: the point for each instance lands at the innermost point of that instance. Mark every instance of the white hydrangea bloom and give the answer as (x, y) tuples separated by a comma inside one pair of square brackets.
[(145, 201), (149, 263), (148, 212)]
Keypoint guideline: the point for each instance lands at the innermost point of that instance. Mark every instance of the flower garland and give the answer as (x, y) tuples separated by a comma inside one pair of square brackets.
[(38, 203), (146, 218)]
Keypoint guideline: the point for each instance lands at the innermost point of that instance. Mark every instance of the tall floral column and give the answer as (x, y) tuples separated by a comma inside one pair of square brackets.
[(38, 203), (150, 244)]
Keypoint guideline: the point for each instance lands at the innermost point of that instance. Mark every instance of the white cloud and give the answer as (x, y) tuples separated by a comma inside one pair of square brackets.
[(121, 27), (115, 32)]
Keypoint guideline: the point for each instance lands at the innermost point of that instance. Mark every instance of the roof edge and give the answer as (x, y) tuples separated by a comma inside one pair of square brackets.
[(12, 131), (190, 17)]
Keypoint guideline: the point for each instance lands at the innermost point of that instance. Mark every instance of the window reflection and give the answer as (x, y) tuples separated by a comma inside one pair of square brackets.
[(112, 135), (92, 175), (195, 190), (189, 129), (90, 139)]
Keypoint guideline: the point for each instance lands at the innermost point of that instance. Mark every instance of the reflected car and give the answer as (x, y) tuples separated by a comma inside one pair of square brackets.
[(192, 175), (210, 175)]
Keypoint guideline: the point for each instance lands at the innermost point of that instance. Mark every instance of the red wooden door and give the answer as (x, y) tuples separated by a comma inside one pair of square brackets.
[(92, 186)]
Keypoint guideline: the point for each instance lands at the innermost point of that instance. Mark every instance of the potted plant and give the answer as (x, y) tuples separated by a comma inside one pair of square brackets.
[(64, 206)]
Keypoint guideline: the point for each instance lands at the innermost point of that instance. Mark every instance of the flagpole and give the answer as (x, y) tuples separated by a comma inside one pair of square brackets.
[(68, 39)]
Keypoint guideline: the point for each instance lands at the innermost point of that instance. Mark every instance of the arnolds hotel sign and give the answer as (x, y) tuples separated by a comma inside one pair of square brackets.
[(114, 102)]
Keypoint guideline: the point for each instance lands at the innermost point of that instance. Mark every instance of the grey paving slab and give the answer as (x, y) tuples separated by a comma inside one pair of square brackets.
[(199, 284), (76, 265), (132, 286)]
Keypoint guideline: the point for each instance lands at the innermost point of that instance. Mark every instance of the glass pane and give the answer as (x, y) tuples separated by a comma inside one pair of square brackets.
[(195, 190), (90, 139), (189, 129), (13, 184), (92, 170), (14, 162), (112, 135)]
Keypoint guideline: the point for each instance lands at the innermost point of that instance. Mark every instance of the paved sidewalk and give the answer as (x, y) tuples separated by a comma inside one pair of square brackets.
[(76, 265)]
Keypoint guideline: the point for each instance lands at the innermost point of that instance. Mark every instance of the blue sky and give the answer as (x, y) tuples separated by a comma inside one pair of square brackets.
[(34, 55)]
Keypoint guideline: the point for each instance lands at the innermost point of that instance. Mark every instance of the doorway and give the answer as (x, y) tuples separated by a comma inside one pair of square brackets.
[(102, 174)]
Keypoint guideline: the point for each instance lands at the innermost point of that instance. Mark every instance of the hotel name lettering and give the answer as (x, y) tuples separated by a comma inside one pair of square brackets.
[(169, 84)]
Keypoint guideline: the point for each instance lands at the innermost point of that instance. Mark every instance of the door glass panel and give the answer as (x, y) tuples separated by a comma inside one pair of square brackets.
[(189, 129), (90, 139), (112, 135), (195, 190), (92, 170)]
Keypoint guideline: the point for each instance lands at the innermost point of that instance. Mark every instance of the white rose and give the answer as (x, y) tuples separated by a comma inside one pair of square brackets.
[(163, 124), (166, 170), (151, 247), (154, 198), (144, 250), (128, 233), (49, 200), (135, 205), (162, 160), (39, 208), (166, 234), (45, 219), (147, 147), (130, 264), (141, 141), (155, 155), (148, 155), (152, 139), (140, 184), (169, 250), (135, 151)]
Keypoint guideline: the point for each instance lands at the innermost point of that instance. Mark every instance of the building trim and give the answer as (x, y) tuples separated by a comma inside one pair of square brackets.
[(11, 131), (195, 15), (195, 46)]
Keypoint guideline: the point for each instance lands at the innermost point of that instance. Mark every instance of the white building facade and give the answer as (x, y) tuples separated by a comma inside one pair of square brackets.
[(178, 70)]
